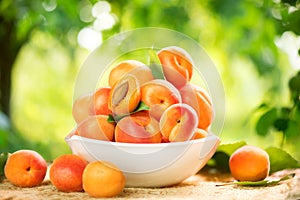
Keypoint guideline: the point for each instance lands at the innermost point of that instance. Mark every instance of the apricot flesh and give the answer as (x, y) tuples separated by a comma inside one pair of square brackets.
[(249, 163), (125, 96)]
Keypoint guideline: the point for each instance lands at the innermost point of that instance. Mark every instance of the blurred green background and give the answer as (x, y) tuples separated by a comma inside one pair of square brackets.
[(254, 45)]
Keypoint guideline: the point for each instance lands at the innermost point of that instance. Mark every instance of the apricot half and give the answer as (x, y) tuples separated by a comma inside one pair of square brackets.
[(249, 163), (178, 123), (125, 96), (159, 95), (177, 65), (139, 127)]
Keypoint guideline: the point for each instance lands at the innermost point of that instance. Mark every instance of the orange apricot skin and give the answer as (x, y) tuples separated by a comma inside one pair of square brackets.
[(177, 65), (101, 97), (249, 163), (66, 173), (25, 168), (138, 128)]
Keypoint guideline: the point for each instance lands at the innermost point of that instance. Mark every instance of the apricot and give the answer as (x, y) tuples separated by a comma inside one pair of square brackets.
[(200, 133), (66, 173), (125, 96), (103, 179), (25, 168), (96, 127), (139, 127), (249, 163), (159, 95), (177, 65), (133, 67), (178, 123), (101, 97), (200, 100), (83, 107)]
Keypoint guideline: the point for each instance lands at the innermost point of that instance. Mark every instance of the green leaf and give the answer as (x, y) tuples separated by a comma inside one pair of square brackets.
[(155, 65), (260, 183), (3, 159), (221, 157), (266, 121), (142, 106), (280, 159), (231, 147)]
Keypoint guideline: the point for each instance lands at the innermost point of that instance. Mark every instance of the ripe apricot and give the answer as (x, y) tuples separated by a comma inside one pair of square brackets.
[(102, 179), (83, 107), (101, 101), (66, 173), (96, 127), (25, 168), (200, 133), (129, 66), (139, 127), (178, 123), (200, 100), (249, 163), (177, 65), (159, 95)]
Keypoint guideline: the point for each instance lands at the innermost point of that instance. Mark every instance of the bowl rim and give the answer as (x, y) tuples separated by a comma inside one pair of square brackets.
[(141, 145)]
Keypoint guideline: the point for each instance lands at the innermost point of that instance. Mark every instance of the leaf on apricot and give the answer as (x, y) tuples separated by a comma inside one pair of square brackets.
[(142, 106), (280, 159), (155, 65)]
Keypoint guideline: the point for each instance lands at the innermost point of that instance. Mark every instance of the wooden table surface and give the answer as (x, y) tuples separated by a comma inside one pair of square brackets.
[(199, 186)]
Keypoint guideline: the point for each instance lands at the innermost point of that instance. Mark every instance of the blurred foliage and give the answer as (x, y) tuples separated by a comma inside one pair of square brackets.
[(239, 35)]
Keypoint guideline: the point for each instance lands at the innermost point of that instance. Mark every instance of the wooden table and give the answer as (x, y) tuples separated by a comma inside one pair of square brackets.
[(199, 186)]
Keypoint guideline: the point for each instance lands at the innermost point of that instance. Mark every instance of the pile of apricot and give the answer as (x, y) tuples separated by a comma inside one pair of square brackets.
[(138, 107)]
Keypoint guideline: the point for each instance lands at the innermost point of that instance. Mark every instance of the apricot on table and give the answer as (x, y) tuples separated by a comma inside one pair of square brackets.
[(66, 173), (177, 65), (159, 95), (25, 168), (139, 127), (103, 179), (178, 123), (249, 163)]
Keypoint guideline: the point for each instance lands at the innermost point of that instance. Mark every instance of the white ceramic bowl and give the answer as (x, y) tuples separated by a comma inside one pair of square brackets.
[(149, 165)]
